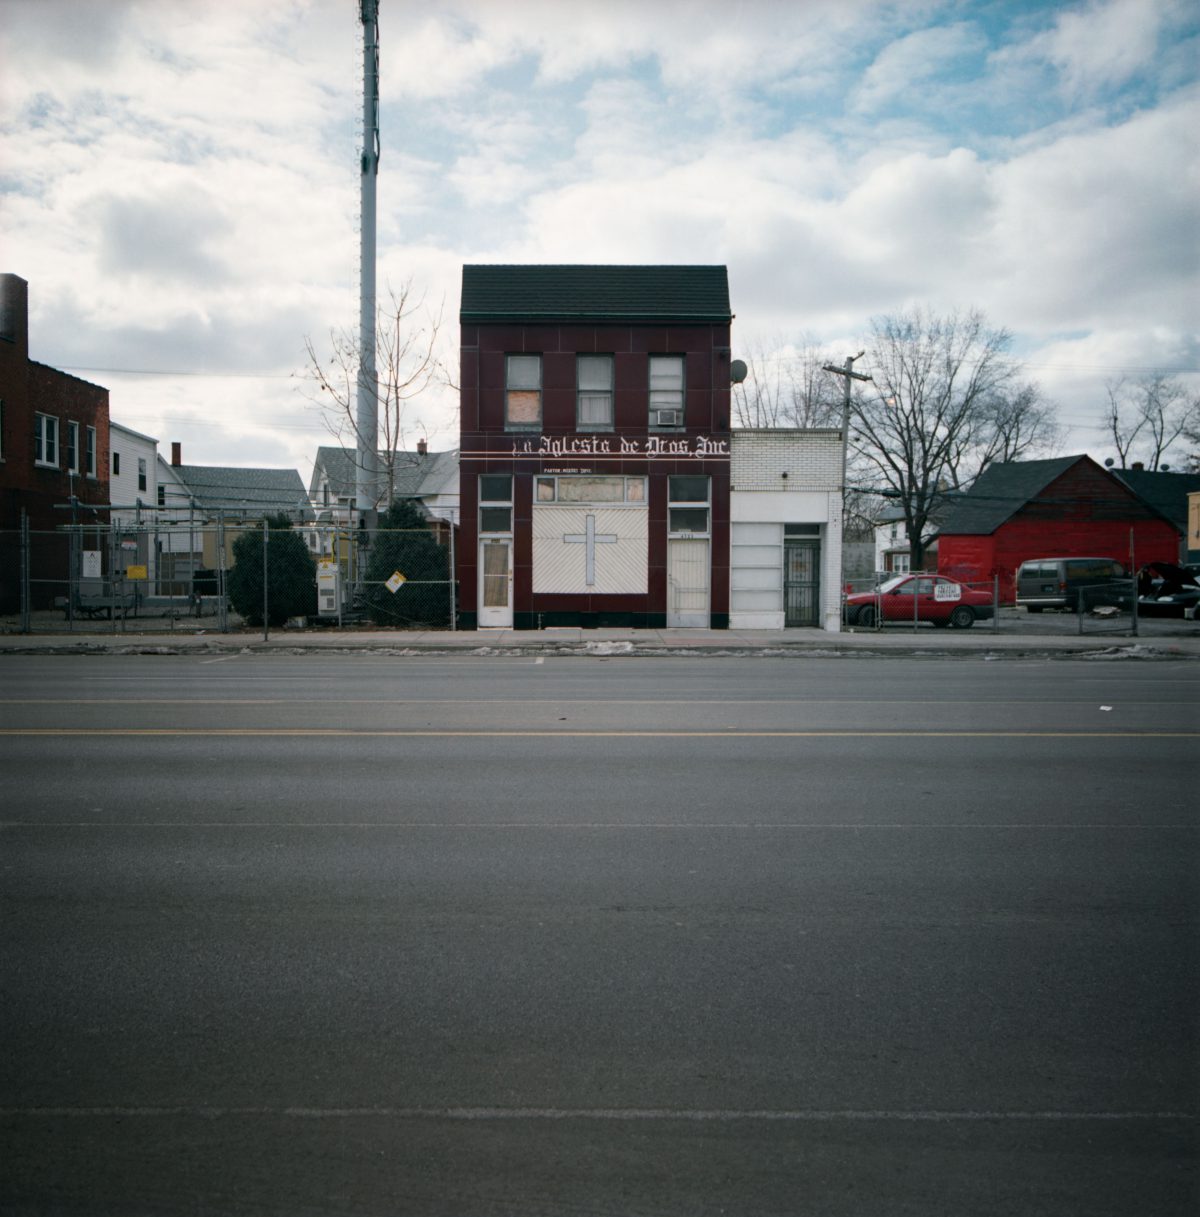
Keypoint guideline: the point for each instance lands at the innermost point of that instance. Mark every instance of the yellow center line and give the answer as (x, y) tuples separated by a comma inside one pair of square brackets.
[(732, 733)]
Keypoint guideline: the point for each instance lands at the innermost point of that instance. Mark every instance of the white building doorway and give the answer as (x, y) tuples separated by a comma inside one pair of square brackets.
[(495, 583)]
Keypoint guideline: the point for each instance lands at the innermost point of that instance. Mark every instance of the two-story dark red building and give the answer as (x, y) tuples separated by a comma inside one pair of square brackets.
[(594, 446), (53, 446)]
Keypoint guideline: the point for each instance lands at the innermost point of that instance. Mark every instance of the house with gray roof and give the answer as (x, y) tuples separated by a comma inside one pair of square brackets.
[(200, 505), (430, 479)]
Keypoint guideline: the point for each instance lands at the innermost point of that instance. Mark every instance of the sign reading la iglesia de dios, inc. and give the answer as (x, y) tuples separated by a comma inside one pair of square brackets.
[(620, 447)]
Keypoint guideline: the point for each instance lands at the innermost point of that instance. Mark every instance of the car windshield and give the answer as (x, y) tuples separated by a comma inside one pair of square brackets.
[(891, 583)]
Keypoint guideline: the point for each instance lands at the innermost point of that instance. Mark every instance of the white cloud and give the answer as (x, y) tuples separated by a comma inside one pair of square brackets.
[(910, 62)]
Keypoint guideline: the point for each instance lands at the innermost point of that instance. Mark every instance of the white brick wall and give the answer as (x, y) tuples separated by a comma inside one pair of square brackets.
[(812, 460), (811, 493)]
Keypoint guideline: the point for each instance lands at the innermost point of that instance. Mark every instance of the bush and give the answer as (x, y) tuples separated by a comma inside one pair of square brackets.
[(404, 543), (291, 575)]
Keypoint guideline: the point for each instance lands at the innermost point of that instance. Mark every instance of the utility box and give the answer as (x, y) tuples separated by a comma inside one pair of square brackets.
[(329, 589)]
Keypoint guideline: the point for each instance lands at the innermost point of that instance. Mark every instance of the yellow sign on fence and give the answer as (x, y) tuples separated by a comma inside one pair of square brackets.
[(136, 572)]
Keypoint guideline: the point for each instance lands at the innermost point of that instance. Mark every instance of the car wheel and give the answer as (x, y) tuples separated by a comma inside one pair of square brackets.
[(962, 618), (866, 617)]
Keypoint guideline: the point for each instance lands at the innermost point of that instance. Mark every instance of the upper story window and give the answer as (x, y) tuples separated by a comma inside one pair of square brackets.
[(141, 473), (666, 391), (594, 392), (523, 393), (72, 447), (89, 452), (45, 440), (162, 495), (116, 464)]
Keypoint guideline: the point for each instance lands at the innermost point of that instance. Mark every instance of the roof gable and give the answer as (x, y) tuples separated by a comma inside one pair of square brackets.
[(1165, 493), (1000, 491), (578, 293)]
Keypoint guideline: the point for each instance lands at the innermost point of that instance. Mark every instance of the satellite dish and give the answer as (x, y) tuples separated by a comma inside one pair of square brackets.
[(1108, 464), (737, 372)]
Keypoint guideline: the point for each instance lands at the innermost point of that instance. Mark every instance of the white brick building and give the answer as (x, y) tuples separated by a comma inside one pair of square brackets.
[(786, 529)]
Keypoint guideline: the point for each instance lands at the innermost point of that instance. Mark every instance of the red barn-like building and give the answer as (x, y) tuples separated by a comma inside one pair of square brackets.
[(1066, 507)]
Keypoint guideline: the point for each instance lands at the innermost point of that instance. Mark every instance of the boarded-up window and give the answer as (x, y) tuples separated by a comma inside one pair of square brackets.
[(523, 392)]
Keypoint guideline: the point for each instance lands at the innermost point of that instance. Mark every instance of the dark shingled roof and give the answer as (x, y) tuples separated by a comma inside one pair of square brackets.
[(1166, 493), (595, 294), (230, 487), (417, 474), (999, 492)]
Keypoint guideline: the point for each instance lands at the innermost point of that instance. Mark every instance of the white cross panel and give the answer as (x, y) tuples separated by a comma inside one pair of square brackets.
[(581, 550)]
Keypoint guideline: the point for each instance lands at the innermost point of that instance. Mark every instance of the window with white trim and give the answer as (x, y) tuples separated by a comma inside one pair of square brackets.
[(45, 440), (523, 393), (590, 488), (594, 392), (687, 505), (141, 473), (116, 463), (666, 392), (495, 503), (72, 447)]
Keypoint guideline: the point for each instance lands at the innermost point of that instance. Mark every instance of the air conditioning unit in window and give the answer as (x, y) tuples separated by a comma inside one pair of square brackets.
[(668, 418)]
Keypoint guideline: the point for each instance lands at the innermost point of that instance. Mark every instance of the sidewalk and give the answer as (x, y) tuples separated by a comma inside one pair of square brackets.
[(1183, 643)]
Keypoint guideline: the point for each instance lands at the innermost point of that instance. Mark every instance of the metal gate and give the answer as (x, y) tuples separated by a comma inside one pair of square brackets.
[(802, 583)]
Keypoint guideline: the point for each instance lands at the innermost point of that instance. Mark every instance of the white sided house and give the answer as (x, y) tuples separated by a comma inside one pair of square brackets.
[(786, 529)]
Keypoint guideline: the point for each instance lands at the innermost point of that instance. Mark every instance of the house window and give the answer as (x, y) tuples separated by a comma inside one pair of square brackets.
[(495, 502), (90, 452), (162, 495), (141, 473), (666, 391), (72, 447), (116, 464), (523, 393), (45, 440), (594, 395), (687, 508)]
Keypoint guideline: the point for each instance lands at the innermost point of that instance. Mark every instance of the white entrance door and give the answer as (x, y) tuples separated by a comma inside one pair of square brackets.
[(495, 583), (687, 582)]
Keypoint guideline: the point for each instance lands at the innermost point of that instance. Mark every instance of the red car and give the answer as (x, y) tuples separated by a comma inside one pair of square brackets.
[(937, 599)]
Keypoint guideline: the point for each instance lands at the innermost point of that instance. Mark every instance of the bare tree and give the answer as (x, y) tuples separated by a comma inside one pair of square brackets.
[(785, 387), (945, 400), (407, 365), (1146, 416)]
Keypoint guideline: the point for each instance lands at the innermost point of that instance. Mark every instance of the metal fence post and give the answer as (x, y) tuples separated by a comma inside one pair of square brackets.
[(24, 573), (266, 604), (996, 604), (222, 603), (453, 584)]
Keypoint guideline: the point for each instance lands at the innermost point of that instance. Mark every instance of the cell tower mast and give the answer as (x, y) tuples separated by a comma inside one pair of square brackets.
[(367, 424)]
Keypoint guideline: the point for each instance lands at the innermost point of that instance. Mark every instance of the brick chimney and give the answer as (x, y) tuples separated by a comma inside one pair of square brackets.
[(14, 313), (176, 453), (422, 447)]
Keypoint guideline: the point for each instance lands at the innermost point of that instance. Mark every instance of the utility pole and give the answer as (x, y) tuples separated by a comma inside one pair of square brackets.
[(367, 415), (847, 372)]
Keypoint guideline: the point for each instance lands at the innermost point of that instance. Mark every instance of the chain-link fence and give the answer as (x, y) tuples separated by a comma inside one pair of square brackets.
[(146, 576), (925, 600)]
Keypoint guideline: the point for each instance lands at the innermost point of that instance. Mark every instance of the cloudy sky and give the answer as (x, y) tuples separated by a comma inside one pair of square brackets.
[(179, 180)]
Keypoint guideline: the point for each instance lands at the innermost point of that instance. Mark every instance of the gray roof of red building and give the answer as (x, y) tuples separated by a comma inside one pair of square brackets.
[(1167, 493), (999, 492), (595, 294)]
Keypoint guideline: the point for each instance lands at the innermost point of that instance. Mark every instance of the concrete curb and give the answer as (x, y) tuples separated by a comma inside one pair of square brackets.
[(810, 644)]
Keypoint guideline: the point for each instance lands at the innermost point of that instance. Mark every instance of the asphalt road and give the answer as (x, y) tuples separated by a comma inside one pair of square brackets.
[(370, 935)]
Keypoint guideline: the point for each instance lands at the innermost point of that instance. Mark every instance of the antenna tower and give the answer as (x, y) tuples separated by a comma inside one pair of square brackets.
[(367, 424)]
